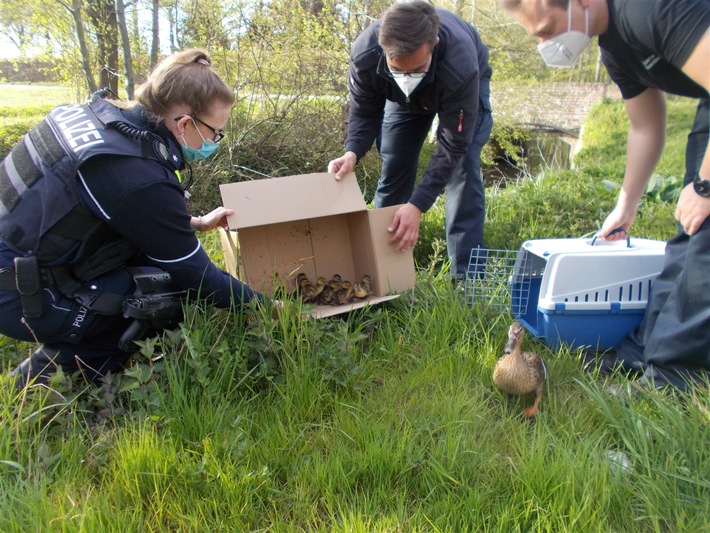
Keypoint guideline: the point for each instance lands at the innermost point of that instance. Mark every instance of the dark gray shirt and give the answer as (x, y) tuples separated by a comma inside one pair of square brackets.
[(648, 41)]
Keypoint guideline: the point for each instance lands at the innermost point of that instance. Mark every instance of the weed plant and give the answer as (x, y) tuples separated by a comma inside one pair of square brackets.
[(385, 419)]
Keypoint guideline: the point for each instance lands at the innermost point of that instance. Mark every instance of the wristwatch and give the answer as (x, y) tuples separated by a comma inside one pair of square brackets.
[(701, 186)]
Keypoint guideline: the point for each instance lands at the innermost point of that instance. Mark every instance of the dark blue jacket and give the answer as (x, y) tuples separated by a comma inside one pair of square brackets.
[(137, 196), (451, 89)]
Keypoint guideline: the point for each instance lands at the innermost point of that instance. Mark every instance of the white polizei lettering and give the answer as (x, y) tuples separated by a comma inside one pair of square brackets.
[(85, 140), (79, 318), (77, 128), (69, 112)]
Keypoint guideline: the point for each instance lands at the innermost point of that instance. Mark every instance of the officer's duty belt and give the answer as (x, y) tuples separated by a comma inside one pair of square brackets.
[(48, 277), (7, 279), (30, 283)]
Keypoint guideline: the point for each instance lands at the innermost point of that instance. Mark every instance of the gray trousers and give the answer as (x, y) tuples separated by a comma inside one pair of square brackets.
[(671, 346)]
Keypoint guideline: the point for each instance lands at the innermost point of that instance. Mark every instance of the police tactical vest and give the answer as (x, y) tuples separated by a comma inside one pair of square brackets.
[(41, 213)]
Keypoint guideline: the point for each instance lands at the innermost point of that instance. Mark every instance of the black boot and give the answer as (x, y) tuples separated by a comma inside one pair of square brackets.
[(37, 368)]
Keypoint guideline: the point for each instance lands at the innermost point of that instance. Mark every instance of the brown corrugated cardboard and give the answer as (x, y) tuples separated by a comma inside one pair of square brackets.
[(315, 225)]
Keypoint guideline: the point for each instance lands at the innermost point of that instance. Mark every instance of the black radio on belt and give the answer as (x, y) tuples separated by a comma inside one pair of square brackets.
[(29, 285)]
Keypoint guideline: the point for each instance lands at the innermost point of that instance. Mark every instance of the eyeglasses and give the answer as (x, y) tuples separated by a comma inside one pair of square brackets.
[(218, 134), (399, 75)]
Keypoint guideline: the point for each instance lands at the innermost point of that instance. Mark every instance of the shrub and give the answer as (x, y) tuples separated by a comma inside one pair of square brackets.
[(506, 143), (604, 140), (29, 70), (273, 137)]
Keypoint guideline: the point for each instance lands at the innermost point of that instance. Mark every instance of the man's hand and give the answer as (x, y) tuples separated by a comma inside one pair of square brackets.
[(405, 227), (647, 133), (343, 165), (692, 209), (212, 220), (621, 217)]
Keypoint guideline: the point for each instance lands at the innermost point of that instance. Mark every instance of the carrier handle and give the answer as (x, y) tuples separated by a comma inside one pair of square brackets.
[(617, 230)]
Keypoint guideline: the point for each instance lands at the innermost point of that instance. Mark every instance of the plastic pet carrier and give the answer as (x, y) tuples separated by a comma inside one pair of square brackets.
[(574, 291)]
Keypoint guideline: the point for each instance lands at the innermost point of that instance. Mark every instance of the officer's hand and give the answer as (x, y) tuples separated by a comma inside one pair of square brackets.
[(343, 165), (621, 217), (214, 219), (692, 209), (405, 227)]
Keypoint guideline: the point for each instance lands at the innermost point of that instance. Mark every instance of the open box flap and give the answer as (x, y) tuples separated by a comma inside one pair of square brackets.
[(323, 311), (275, 200), (393, 271)]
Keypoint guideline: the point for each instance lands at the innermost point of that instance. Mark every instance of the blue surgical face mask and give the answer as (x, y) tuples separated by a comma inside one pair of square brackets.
[(191, 154), (207, 149)]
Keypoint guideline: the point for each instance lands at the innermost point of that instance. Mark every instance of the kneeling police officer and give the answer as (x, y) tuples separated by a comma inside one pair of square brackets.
[(97, 248)]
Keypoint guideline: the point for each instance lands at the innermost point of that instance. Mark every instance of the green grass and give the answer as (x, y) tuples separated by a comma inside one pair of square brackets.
[(22, 106), (26, 96), (383, 420)]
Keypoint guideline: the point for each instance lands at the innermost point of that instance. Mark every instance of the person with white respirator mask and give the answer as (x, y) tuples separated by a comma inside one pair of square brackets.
[(650, 48)]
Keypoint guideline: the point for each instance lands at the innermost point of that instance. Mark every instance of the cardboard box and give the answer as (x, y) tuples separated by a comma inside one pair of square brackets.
[(315, 225)]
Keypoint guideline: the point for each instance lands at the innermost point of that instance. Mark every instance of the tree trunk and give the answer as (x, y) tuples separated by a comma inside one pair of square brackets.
[(155, 43), (126, 45), (172, 13), (75, 10), (102, 14)]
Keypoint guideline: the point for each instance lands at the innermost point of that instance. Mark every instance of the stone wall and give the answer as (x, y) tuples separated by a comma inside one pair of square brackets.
[(552, 106)]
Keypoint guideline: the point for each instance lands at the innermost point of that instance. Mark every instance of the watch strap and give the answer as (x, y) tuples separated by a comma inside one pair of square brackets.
[(701, 186)]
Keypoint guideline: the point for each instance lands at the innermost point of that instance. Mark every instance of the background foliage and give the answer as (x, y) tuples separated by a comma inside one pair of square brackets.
[(286, 59), (384, 420)]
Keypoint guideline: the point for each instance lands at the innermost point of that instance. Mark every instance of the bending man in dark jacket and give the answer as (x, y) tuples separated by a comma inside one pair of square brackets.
[(412, 64)]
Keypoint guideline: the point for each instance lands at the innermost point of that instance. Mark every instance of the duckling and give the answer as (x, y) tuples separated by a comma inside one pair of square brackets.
[(520, 373), (335, 281), (320, 285), (344, 295), (326, 296), (312, 291), (366, 283), (302, 283), (359, 292), (301, 280)]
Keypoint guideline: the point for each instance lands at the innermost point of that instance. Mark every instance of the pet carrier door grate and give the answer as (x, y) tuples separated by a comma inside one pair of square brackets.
[(500, 280)]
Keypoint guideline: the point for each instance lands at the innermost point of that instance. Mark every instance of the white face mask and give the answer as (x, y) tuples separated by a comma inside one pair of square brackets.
[(565, 49), (408, 84)]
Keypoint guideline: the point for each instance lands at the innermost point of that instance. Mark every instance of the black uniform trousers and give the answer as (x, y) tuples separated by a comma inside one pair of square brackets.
[(671, 346)]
